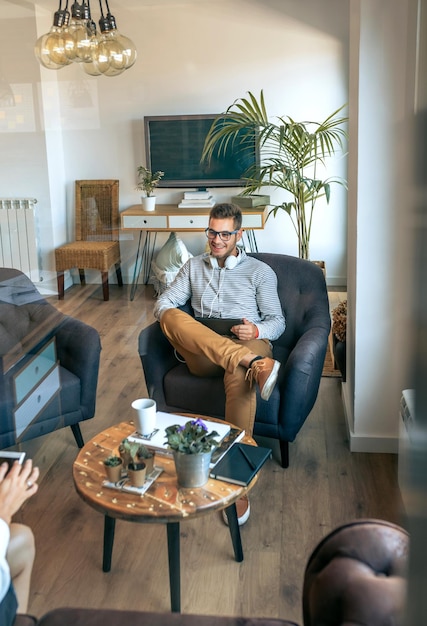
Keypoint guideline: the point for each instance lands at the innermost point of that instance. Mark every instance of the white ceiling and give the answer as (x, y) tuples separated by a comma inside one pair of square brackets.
[(24, 8)]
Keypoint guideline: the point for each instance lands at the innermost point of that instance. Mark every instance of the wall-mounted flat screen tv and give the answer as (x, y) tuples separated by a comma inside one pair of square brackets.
[(174, 145)]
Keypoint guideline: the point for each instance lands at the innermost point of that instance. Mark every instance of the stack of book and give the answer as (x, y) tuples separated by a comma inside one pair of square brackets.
[(197, 200)]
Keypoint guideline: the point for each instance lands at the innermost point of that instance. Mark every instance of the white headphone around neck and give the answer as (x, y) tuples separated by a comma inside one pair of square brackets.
[(230, 262)]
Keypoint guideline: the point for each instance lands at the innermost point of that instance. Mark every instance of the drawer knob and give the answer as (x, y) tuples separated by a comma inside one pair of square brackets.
[(39, 398), (191, 221), (37, 369)]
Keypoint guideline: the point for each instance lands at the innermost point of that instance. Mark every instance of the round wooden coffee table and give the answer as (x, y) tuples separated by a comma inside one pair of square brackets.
[(163, 503)]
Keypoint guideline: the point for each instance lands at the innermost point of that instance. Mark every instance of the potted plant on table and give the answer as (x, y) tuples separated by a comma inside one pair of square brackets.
[(137, 460), (147, 182), (291, 155), (113, 468), (192, 446)]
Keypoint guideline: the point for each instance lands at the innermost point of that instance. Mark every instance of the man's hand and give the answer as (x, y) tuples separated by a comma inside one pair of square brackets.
[(245, 331), (16, 487)]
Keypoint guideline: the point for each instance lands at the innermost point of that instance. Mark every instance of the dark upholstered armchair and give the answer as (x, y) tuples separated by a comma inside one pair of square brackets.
[(48, 364), (301, 350)]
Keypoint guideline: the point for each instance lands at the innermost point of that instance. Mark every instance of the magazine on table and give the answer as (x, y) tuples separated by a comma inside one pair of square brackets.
[(234, 436), (157, 439)]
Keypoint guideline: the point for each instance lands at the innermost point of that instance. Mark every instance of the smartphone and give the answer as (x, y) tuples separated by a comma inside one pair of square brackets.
[(11, 457)]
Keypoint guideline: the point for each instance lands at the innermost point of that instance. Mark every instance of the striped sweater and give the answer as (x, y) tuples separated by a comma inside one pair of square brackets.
[(248, 290)]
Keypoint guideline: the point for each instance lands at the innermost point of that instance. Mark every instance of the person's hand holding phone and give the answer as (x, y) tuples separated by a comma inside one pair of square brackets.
[(16, 486)]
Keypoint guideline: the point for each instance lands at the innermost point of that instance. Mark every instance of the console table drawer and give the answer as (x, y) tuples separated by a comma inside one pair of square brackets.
[(184, 222), (252, 221), (145, 222)]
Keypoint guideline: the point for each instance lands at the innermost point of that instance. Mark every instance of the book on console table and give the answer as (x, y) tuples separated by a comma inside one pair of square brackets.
[(157, 440), (240, 464), (196, 204), (197, 195)]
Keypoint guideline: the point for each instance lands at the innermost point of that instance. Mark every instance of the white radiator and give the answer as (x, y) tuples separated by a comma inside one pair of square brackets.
[(18, 241)]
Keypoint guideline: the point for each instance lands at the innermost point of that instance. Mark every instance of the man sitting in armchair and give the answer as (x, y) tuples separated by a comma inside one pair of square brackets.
[(226, 283)]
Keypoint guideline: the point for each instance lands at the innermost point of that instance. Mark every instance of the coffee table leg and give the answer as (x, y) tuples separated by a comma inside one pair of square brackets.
[(233, 525), (109, 526), (174, 566)]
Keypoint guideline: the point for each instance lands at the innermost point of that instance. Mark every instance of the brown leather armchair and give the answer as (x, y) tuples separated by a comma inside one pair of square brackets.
[(356, 575)]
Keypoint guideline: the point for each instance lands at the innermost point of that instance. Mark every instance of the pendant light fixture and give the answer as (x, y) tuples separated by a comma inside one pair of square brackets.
[(74, 39)]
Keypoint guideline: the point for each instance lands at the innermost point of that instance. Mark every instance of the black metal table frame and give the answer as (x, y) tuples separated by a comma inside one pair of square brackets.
[(174, 553)]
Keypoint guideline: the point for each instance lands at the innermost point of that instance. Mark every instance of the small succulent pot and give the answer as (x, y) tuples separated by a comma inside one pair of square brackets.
[(113, 468), (137, 473), (149, 462)]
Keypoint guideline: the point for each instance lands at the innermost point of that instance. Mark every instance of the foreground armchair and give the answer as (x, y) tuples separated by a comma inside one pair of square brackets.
[(357, 574), (301, 350), (49, 364)]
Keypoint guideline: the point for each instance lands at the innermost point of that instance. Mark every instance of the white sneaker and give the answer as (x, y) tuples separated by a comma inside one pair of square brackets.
[(243, 507)]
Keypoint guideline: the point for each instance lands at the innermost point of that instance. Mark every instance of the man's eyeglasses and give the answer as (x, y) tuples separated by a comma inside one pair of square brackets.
[(223, 235)]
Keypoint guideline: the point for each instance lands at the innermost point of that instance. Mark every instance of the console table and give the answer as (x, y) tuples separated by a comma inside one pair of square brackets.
[(169, 218)]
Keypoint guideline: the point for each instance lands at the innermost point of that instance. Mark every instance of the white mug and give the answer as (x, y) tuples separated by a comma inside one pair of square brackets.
[(145, 415)]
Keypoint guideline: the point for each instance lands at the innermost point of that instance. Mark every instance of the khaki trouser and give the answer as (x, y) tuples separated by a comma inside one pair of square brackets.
[(208, 354)]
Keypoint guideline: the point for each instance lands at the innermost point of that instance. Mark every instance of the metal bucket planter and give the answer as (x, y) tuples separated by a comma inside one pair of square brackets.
[(192, 470)]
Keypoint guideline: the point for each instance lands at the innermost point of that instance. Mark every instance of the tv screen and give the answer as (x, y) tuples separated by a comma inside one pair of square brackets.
[(174, 145)]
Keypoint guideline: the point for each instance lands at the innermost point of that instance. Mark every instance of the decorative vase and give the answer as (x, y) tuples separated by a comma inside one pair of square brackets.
[(137, 473), (192, 470), (114, 472), (149, 203)]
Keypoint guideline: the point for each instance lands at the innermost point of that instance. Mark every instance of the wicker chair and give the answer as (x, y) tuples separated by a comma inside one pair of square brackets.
[(97, 234)]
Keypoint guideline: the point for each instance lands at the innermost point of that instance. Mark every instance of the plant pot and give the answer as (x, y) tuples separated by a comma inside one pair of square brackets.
[(340, 349), (192, 470), (114, 472), (149, 203), (149, 463), (137, 473)]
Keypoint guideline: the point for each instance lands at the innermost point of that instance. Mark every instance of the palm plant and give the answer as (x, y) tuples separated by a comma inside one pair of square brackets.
[(291, 153)]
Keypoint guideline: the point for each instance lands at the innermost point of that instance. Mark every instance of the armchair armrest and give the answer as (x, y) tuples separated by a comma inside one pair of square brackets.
[(78, 348), (300, 385), (157, 358)]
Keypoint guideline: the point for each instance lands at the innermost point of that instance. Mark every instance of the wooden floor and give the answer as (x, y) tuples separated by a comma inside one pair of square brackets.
[(292, 509)]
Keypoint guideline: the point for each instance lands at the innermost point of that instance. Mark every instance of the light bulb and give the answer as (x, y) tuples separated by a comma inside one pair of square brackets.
[(110, 58), (50, 48), (78, 47), (116, 53), (129, 49)]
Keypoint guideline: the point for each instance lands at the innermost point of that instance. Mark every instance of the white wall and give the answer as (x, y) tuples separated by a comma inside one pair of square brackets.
[(378, 231), (193, 57)]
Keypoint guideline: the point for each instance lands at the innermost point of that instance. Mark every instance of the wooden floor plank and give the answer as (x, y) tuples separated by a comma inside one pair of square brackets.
[(292, 509)]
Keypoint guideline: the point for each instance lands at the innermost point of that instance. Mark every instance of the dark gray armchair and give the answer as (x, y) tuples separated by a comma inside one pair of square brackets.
[(301, 350), (49, 364)]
